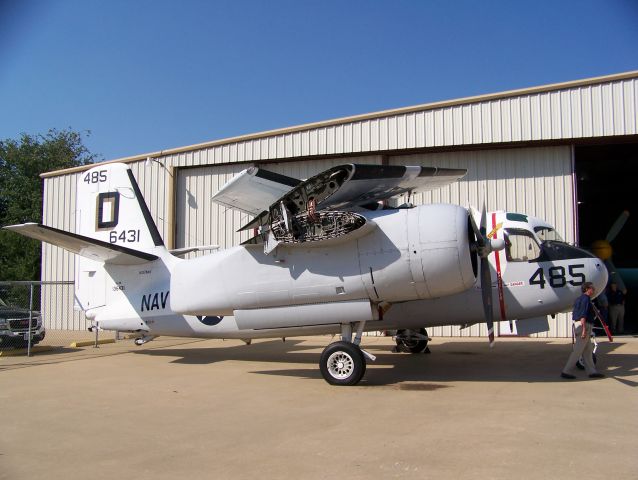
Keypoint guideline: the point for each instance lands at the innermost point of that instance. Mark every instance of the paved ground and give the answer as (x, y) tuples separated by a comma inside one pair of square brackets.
[(179, 408)]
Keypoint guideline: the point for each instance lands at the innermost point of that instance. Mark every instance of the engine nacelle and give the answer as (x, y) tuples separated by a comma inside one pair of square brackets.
[(432, 260), (447, 262)]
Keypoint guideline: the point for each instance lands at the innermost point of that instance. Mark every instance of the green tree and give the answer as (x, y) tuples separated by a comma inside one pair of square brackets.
[(21, 163)]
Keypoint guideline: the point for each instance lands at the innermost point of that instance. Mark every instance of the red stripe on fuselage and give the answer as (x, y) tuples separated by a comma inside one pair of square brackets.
[(499, 276)]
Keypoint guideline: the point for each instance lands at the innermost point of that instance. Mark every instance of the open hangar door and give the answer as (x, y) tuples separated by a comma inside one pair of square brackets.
[(606, 187)]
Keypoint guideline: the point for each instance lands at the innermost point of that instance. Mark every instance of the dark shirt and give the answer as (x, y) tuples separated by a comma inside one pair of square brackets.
[(582, 308), (616, 298)]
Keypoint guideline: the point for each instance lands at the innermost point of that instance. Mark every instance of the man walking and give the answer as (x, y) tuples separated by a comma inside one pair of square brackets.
[(583, 318)]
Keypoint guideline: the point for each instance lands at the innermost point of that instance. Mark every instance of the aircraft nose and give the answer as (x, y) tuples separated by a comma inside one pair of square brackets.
[(598, 275)]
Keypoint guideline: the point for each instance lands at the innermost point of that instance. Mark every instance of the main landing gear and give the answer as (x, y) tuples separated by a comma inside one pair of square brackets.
[(412, 341), (144, 339), (344, 362)]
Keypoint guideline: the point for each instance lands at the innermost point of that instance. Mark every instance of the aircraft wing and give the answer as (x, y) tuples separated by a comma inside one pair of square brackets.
[(349, 186), (358, 185), (253, 190), (324, 206), (81, 245)]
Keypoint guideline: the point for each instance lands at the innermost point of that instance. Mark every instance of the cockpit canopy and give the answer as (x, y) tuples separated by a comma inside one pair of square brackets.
[(528, 239), (547, 233)]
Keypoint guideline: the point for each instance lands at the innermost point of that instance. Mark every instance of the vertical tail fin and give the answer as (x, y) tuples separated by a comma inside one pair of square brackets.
[(110, 208)]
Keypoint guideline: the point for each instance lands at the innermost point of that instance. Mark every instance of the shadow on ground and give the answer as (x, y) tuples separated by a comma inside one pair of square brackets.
[(452, 361)]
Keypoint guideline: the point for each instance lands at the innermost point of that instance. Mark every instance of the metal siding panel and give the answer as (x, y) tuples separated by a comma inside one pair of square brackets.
[(347, 139), (630, 107), (392, 132), (477, 127), (263, 150), (447, 130), (383, 134), (556, 130), (577, 113), (617, 107), (597, 110), (462, 124), (587, 111), (428, 129), (535, 117), (410, 130), (526, 119), (402, 131), (241, 153), (439, 133), (330, 139), (338, 146), (506, 119), (566, 114), (356, 137), (607, 106), (313, 143), (366, 143), (375, 135), (545, 113), (516, 119), (419, 129)]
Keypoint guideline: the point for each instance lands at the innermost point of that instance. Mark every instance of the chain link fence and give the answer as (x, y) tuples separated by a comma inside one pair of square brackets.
[(37, 316)]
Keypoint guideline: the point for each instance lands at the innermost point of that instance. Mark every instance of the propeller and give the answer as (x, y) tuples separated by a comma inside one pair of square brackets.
[(485, 246), (617, 226), (603, 249)]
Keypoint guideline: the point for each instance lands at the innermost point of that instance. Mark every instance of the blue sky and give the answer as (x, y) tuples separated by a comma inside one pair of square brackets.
[(144, 76)]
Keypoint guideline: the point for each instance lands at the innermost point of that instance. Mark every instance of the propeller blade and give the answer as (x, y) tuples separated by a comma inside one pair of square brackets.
[(617, 226), (484, 249), (484, 222), (486, 291), (614, 276), (480, 240)]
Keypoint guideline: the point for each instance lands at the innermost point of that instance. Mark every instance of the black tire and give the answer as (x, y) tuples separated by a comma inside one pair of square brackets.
[(581, 366), (412, 346), (342, 363)]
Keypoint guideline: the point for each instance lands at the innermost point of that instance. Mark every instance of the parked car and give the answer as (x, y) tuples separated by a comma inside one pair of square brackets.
[(14, 326)]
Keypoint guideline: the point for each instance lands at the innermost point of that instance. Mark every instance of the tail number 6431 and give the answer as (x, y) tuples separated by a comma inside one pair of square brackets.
[(557, 277)]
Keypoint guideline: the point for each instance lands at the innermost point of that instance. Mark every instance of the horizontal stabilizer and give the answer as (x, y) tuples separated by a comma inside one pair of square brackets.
[(81, 245)]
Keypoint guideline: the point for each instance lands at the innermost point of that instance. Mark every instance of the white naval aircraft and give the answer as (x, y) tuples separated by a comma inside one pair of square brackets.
[(327, 257)]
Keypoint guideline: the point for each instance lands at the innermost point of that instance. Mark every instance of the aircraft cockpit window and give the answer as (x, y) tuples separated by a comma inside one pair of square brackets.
[(521, 246), (547, 233)]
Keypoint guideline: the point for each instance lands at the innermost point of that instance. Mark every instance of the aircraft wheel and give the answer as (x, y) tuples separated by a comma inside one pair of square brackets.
[(412, 345), (581, 365), (342, 363)]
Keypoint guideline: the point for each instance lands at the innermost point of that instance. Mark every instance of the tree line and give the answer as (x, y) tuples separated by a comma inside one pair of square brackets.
[(22, 161)]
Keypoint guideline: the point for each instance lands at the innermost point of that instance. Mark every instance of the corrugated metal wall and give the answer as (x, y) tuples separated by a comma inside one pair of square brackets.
[(600, 110)]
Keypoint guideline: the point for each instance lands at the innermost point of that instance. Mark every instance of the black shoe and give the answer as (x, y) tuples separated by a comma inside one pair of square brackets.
[(597, 375), (568, 376)]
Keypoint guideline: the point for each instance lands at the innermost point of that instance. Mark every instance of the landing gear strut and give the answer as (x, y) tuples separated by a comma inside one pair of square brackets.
[(344, 362)]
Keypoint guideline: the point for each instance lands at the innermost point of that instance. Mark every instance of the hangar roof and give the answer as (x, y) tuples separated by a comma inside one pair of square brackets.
[(595, 107)]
